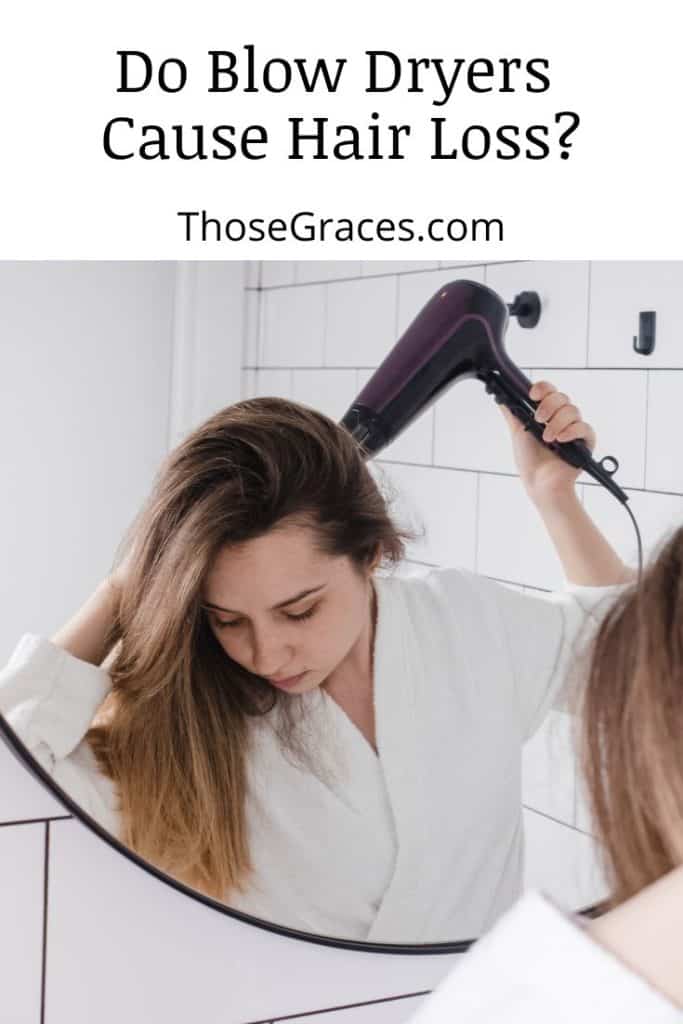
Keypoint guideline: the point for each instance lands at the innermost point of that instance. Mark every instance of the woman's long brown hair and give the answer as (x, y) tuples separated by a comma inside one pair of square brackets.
[(174, 734), (631, 722)]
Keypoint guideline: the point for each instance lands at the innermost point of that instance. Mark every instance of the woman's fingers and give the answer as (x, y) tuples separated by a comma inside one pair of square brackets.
[(561, 417), (540, 389), (560, 420), (550, 405), (578, 432)]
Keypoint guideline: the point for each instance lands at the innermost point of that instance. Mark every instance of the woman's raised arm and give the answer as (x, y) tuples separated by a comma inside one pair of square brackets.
[(86, 634), (587, 557)]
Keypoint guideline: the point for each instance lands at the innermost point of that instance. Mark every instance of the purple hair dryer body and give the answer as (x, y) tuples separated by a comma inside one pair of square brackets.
[(458, 334)]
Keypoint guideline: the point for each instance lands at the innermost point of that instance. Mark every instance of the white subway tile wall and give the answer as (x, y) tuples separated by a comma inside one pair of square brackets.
[(22, 908), (76, 914), (561, 336), (361, 321), (453, 474), (22, 797)]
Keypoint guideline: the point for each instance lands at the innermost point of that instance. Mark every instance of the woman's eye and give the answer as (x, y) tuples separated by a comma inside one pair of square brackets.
[(303, 615), (222, 625)]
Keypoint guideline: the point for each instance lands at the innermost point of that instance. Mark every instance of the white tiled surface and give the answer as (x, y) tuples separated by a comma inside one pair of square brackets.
[(292, 326), (272, 383), (370, 268), (657, 515), (470, 431), (22, 797), (252, 313), (513, 544), (562, 861), (361, 321), (277, 272), (205, 966), (561, 335), (664, 431), (619, 291), (548, 769), (313, 331), (394, 1011), (441, 502), (326, 390), (22, 854), (326, 270)]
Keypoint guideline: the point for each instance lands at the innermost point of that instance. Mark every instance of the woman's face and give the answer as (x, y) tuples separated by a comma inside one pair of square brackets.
[(286, 611)]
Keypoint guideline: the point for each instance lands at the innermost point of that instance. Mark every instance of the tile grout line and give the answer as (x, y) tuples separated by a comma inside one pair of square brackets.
[(557, 821), (346, 1006), (477, 510), (514, 476), (43, 969), (371, 277), (36, 821), (647, 426), (529, 368)]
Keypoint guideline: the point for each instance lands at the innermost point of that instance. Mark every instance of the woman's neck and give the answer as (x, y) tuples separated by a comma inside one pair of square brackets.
[(351, 683)]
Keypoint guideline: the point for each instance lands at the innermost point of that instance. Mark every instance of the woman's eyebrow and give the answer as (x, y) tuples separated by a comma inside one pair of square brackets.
[(282, 604)]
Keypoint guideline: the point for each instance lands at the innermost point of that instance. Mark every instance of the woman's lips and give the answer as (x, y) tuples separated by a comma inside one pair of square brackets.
[(290, 681)]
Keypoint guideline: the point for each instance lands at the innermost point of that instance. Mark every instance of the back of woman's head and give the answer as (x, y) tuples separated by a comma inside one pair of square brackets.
[(632, 726), (177, 736)]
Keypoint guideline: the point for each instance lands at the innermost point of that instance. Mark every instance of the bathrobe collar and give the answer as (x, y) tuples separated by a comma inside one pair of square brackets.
[(397, 685)]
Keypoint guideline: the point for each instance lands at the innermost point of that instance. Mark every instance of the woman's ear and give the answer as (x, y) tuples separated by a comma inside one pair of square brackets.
[(376, 559)]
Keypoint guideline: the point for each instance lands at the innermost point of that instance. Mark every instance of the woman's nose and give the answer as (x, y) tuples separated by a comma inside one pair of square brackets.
[(269, 655)]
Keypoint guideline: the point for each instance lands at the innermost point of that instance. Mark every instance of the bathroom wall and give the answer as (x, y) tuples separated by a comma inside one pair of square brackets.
[(317, 330), (102, 367)]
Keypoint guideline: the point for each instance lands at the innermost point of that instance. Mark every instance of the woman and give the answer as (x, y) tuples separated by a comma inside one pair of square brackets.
[(288, 730), (539, 964)]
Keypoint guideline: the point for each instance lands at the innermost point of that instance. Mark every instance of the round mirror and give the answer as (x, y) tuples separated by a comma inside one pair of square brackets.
[(281, 702)]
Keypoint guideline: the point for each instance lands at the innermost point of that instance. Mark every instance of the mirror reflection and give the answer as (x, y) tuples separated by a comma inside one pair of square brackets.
[(259, 699)]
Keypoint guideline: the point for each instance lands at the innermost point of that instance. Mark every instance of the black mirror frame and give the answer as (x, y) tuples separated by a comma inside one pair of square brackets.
[(425, 949), (30, 763)]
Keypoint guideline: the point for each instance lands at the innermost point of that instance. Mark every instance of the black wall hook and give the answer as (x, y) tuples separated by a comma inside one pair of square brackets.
[(527, 308), (644, 343)]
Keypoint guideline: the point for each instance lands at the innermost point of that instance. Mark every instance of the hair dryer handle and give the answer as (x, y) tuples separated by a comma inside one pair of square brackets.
[(575, 453)]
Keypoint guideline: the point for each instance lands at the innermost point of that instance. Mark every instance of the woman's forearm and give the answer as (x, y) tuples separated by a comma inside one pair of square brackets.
[(587, 556), (85, 634)]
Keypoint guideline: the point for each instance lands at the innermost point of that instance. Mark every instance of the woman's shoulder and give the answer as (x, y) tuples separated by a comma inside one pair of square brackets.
[(545, 968), (438, 583)]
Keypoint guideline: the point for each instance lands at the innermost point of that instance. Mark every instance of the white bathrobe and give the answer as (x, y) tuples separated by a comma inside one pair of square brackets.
[(422, 842)]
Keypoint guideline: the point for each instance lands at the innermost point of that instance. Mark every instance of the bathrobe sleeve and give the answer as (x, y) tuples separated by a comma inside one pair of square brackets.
[(49, 698), (543, 635), (538, 966), (548, 636)]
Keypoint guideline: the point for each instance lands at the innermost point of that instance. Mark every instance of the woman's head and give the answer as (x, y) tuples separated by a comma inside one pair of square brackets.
[(631, 719), (285, 608), (265, 500)]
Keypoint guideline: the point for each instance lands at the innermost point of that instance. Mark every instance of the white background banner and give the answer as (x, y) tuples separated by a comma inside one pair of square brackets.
[(359, 130)]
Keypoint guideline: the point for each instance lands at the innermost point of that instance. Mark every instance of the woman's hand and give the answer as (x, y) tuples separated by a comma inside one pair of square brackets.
[(87, 634), (117, 579), (544, 474)]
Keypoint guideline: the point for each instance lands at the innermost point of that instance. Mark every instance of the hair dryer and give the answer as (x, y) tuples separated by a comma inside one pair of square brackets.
[(458, 334)]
